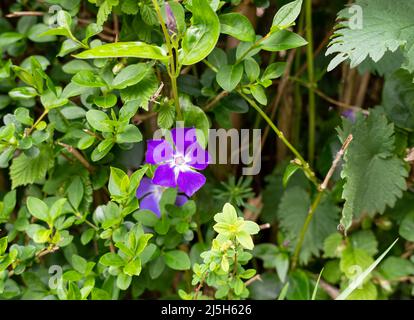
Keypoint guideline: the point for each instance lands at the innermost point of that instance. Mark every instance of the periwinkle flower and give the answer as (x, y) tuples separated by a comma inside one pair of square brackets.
[(349, 114), (171, 22), (178, 162), (150, 195)]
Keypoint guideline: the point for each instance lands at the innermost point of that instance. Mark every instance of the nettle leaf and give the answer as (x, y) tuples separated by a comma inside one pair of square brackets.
[(124, 50), (398, 99), (237, 26), (201, 38), (105, 10), (379, 26), (25, 170), (375, 177), (292, 212), (141, 93)]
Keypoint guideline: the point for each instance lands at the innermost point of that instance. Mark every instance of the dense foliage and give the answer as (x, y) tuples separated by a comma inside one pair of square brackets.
[(102, 199)]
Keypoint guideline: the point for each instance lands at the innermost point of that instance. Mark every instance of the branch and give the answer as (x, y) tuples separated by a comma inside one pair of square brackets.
[(77, 155), (25, 14), (335, 163)]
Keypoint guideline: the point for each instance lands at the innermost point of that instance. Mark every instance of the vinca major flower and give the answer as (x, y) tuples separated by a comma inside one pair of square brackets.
[(178, 161), (150, 195)]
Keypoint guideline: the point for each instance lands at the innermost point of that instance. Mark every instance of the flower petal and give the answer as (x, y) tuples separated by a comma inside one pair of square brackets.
[(190, 182), (146, 186), (198, 158), (158, 151), (180, 200), (183, 138), (151, 202), (164, 176)]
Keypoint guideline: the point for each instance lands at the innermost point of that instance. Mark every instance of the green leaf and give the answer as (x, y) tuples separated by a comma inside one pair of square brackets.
[(245, 240), (287, 14), (25, 170), (56, 209), (407, 227), (292, 212), (365, 240), (124, 50), (123, 281), (130, 134), (133, 268), (9, 38), (282, 40), (23, 93), (105, 9), (237, 26), (252, 69), (381, 26), (130, 75), (88, 78), (359, 279), (394, 268), (332, 246), (195, 117), (111, 259), (87, 236), (75, 192), (368, 291), (229, 76), (3, 245), (201, 37), (118, 182), (106, 101), (141, 92), (289, 172), (99, 120), (398, 99), (75, 66), (79, 264), (375, 177), (177, 260), (259, 94), (274, 71), (23, 116), (354, 261)]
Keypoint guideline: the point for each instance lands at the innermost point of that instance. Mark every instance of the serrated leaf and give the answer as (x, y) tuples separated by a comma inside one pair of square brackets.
[(25, 170), (292, 212), (371, 30), (375, 177)]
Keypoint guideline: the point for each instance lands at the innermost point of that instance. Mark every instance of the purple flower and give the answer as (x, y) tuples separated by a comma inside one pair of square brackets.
[(171, 22), (349, 114), (150, 195), (179, 161)]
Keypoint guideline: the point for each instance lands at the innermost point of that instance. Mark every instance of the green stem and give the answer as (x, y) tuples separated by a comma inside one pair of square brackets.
[(305, 228), (311, 79), (305, 166), (37, 122), (298, 103), (173, 72), (176, 98)]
